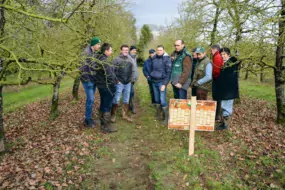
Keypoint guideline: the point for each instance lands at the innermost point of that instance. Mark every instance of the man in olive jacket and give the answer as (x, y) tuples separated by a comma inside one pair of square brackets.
[(202, 79)]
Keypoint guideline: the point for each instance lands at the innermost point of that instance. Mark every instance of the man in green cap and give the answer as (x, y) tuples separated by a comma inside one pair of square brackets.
[(202, 79), (87, 72)]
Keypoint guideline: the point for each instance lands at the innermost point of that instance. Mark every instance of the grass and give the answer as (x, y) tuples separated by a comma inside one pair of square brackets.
[(257, 90), (13, 100)]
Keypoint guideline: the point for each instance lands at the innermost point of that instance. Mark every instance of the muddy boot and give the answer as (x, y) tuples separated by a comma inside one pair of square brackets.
[(113, 113), (158, 112), (108, 127), (226, 123), (125, 110), (90, 123), (165, 116)]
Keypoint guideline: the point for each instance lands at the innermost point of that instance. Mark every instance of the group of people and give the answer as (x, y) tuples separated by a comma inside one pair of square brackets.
[(183, 70), (113, 79)]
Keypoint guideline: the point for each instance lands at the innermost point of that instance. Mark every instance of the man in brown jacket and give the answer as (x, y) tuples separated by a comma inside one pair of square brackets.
[(181, 70)]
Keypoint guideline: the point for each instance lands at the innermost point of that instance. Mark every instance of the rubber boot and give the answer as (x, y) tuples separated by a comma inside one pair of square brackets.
[(108, 127), (90, 123), (226, 123), (165, 113), (113, 112), (158, 112), (125, 110)]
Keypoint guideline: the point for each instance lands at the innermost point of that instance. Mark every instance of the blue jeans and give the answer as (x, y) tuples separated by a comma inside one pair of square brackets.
[(106, 98), (227, 107), (90, 89), (179, 93), (159, 97), (126, 90)]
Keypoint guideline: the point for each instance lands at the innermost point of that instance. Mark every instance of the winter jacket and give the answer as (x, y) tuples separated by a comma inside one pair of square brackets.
[(160, 70), (226, 86), (182, 65), (200, 73), (105, 75), (87, 69), (135, 74), (217, 64), (146, 68), (195, 61), (123, 68)]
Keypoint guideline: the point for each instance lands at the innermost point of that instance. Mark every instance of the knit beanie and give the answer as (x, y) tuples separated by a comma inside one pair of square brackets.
[(95, 41)]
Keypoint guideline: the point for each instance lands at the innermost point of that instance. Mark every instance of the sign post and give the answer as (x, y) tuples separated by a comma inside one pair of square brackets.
[(192, 126), (192, 115)]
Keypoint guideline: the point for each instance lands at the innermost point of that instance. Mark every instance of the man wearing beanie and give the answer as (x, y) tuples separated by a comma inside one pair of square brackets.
[(87, 72), (146, 72), (135, 75)]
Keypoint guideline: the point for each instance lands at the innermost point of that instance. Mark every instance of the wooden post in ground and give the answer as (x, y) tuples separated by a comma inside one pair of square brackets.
[(192, 125)]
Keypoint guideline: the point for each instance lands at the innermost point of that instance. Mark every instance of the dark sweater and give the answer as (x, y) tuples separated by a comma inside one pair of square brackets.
[(160, 70), (105, 75), (87, 69), (225, 86)]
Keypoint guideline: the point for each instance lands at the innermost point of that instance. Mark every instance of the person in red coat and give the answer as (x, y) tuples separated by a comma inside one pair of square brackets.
[(218, 63)]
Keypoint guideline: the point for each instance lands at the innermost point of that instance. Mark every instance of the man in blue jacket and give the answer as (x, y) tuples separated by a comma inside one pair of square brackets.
[(146, 72), (87, 72), (160, 73)]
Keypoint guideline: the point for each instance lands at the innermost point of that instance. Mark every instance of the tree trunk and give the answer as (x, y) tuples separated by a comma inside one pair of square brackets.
[(2, 134), (279, 72), (261, 76), (216, 20), (75, 88), (246, 74), (55, 97)]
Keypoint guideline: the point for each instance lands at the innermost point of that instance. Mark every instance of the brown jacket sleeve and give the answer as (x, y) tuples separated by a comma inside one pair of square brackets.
[(187, 68)]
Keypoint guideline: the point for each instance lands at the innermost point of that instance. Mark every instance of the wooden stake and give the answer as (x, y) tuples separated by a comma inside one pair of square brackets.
[(192, 125)]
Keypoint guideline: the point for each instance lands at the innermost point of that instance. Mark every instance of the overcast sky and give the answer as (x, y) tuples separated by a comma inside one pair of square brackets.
[(157, 12)]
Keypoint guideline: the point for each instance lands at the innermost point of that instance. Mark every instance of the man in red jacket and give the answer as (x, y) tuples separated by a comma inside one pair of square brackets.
[(218, 63)]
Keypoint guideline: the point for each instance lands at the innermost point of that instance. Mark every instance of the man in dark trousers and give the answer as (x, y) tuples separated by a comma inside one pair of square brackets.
[(202, 79), (106, 81), (160, 72), (217, 65), (195, 61), (181, 70), (146, 72), (133, 55), (87, 72), (123, 70), (226, 88)]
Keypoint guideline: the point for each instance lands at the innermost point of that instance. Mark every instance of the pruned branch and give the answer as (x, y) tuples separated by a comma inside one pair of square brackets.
[(8, 7), (22, 82)]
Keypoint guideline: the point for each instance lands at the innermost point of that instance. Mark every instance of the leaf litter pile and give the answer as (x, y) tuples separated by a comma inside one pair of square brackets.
[(47, 153), (44, 153)]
